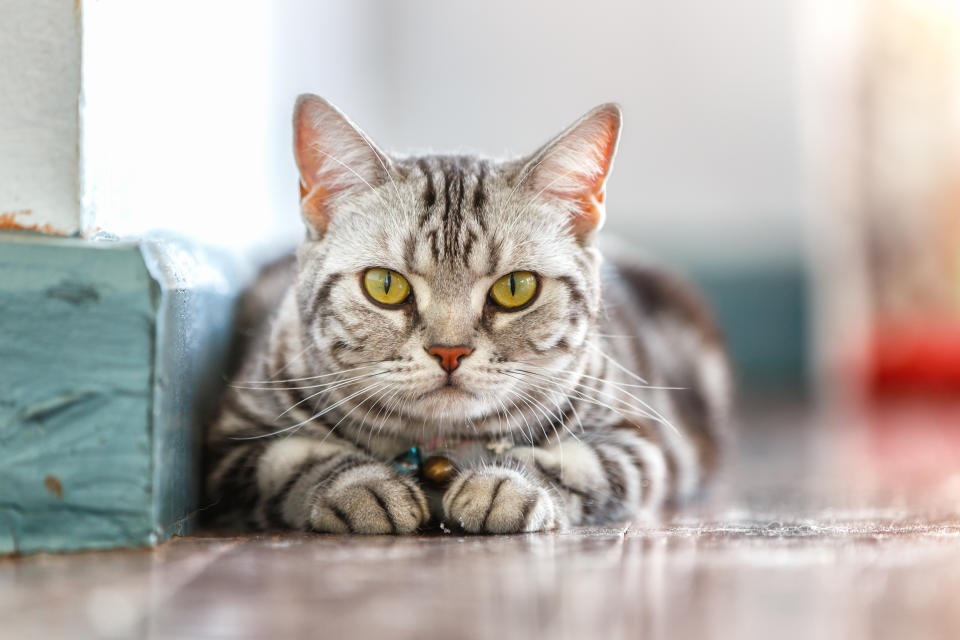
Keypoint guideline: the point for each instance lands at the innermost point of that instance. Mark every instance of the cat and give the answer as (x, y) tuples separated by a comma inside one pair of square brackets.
[(449, 347)]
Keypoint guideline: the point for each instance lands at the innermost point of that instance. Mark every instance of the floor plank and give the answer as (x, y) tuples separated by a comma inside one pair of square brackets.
[(840, 525)]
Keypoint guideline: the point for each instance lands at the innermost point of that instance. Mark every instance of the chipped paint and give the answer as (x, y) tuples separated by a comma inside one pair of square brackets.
[(110, 355), (54, 486), (9, 222), (75, 292), (75, 395)]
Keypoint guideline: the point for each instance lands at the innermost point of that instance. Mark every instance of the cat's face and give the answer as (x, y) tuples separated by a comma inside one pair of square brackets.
[(460, 288)]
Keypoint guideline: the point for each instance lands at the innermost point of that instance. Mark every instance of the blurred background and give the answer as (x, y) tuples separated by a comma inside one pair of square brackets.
[(799, 160)]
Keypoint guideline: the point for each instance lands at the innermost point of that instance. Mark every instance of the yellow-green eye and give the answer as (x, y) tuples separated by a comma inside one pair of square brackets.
[(514, 289), (386, 286)]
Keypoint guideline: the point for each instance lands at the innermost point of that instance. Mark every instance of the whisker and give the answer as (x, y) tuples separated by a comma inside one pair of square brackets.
[(393, 390), (573, 388), (311, 418), (613, 382), (389, 173), (333, 429), (600, 351), (555, 418), (649, 411), (536, 412), (373, 363), (357, 406), (597, 402), (531, 439), (527, 172), (324, 385), (559, 416), (549, 184), (292, 360), (353, 171), (395, 400), (336, 385)]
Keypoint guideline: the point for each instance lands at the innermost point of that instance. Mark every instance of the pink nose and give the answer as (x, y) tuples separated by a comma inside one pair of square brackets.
[(449, 357)]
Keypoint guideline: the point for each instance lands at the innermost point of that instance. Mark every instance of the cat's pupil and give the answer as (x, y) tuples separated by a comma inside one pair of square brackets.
[(513, 285), (386, 282)]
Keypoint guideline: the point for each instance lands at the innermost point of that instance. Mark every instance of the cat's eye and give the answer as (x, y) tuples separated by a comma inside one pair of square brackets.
[(386, 286), (514, 290)]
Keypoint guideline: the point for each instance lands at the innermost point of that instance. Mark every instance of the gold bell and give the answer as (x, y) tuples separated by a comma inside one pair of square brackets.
[(438, 470)]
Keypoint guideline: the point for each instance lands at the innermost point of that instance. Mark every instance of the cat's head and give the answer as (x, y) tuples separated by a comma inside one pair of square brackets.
[(468, 286)]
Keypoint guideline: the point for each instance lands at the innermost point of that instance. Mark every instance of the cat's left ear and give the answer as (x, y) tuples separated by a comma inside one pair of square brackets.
[(573, 168), (336, 159)]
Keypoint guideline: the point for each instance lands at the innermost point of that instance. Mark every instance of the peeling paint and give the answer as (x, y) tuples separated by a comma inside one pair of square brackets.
[(110, 354), (78, 379), (54, 486), (8, 222), (50, 407), (74, 292)]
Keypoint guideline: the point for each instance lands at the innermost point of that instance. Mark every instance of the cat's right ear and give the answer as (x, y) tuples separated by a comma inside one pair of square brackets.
[(335, 158), (573, 168)]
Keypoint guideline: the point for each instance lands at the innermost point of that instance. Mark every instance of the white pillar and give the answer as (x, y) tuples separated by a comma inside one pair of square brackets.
[(39, 130)]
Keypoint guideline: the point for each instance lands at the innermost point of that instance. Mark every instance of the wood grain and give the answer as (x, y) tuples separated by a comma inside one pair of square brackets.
[(806, 539)]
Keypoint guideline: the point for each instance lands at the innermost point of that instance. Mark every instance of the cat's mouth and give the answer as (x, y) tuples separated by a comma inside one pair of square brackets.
[(449, 387)]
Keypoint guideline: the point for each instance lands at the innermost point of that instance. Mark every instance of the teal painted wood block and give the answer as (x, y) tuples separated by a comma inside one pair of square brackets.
[(764, 316), (110, 357)]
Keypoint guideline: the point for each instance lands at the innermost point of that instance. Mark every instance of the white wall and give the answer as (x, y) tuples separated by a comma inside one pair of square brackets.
[(188, 106), (179, 120), (39, 86), (709, 165), (187, 110)]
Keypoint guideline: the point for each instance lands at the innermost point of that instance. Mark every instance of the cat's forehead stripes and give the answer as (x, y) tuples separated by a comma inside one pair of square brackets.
[(453, 217), (480, 196)]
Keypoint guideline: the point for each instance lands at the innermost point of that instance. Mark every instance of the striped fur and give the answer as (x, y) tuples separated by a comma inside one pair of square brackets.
[(612, 387)]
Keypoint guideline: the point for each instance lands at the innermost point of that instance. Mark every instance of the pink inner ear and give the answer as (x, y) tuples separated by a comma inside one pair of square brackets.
[(591, 147), (318, 130), (314, 205), (315, 163), (598, 144), (314, 197), (589, 214), (303, 137)]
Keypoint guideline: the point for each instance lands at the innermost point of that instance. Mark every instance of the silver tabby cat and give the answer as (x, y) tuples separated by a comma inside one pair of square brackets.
[(451, 348)]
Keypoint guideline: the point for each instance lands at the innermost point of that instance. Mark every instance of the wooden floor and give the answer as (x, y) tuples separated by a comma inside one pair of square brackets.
[(830, 526)]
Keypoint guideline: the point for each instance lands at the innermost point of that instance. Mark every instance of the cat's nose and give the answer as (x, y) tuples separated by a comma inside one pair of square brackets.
[(449, 357)]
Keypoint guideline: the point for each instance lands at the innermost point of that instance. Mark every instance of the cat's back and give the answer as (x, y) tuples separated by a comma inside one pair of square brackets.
[(657, 292), (659, 325)]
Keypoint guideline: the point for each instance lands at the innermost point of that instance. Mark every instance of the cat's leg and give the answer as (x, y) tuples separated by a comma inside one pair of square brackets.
[(311, 485), (606, 478)]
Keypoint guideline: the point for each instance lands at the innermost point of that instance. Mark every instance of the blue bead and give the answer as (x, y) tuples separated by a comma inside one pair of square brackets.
[(408, 462)]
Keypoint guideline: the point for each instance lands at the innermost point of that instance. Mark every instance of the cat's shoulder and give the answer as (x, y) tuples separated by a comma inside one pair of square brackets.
[(659, 289)]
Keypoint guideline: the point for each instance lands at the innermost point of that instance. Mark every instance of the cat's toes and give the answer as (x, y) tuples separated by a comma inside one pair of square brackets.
[(369, 499), (497, 500)]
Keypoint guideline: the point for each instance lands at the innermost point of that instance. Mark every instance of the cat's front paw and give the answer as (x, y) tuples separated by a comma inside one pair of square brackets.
[(370, 499), (498, 500)]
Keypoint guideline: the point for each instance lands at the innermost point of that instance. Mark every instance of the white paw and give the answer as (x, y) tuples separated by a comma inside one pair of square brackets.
[(498, 500), (369, 499)]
